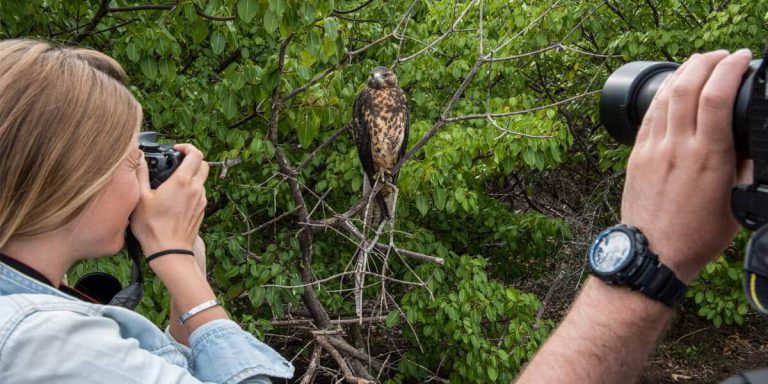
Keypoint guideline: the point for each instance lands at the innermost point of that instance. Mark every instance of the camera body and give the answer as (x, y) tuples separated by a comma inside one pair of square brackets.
[(162, 159)]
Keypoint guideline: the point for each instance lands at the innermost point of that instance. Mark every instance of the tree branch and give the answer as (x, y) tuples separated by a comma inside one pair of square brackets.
[(100, 13)]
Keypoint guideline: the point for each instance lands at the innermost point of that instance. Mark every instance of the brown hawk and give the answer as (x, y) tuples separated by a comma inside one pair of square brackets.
[(381, 123)]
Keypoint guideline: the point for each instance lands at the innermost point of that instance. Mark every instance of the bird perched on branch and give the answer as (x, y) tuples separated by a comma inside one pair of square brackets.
[(381, 124)]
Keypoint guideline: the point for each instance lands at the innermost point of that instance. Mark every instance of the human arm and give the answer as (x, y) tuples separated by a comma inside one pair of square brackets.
[(169, 218), (679, 178)]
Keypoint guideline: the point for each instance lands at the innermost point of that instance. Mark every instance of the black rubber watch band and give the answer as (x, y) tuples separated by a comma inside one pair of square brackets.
[(663, 286)]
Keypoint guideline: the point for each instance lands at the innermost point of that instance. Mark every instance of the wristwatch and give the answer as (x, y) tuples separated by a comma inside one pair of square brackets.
[(620, 256)]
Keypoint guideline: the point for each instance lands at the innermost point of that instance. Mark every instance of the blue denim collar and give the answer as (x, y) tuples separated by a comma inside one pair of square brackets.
[(13, 281)]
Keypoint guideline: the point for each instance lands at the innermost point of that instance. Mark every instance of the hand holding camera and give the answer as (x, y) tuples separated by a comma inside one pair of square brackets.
[(169, 217), (684, 161)]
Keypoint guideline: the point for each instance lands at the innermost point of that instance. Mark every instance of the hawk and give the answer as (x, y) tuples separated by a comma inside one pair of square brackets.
[(381, 123)]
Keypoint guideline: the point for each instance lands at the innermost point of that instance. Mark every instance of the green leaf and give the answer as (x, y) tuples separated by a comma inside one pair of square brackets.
[(331, 28), (277, 6), (493, 373), (313, 42), (307, 132), (257, 295), (199, 30), (230, 105), (166, 67), (308, 13), (421, 204), (247, 9), (440, 195), (148, 68), (392, 319), (218, 42), (132, 52), (271, 21)]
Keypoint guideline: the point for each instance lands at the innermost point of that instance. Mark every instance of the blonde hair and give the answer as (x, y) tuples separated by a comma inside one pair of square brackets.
[(66, 122)]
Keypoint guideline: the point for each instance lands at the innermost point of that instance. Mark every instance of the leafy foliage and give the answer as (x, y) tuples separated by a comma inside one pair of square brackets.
[(719, 291)]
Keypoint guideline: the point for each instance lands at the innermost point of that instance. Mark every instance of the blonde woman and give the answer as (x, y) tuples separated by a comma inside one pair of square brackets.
[(71, 180)]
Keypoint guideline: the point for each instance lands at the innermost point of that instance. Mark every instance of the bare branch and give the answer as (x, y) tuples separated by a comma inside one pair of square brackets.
[(384, 38), (355, 320), (348, 375), (225, 165), (354, 352), (353, 10), (309, 83), (447, 33), (148, 7), (323, 145), (309, 374), (202, 14), (100, 13), (506, 114), (270, 222)]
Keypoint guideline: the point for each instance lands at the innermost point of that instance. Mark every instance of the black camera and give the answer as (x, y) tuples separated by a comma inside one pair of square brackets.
[(162, 159)]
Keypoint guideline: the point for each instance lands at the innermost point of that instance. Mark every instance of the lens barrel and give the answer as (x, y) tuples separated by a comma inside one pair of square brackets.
[(628, 92)]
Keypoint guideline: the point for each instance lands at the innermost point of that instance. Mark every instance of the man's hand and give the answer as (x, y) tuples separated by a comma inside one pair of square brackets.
[(683, 166)]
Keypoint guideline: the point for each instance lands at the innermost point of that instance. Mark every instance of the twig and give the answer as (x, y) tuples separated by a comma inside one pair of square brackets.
[(348, 375), (355, 320), (691, 334), (210, 17), (225, 165), (353, 10), (322, 145), (505, 114), (148, 7), (447, 33), (309, 374), (270, 222), (100, 13)]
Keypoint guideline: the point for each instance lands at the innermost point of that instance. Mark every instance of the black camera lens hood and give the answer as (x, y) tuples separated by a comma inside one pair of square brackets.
[(619, 109)]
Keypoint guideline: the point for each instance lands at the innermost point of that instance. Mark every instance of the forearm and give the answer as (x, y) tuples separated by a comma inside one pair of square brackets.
[(188, 288), (605, 338)]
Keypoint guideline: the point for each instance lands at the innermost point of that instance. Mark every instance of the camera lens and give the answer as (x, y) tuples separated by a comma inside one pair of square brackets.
[(627, 94)]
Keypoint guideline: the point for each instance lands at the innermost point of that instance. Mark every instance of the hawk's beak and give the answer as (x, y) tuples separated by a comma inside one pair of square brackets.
[(378, 78)]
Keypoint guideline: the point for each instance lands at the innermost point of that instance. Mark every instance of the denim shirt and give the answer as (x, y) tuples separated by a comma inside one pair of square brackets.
[(47, 336)]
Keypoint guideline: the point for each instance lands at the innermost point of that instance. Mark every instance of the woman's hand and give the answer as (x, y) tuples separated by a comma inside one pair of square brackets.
[(170, 216), (683, 165)]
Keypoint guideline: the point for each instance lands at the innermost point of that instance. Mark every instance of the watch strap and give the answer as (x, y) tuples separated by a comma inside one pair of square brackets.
[(660, 283)]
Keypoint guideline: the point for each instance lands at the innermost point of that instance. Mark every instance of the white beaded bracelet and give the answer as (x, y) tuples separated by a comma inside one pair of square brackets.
[(197, 309)]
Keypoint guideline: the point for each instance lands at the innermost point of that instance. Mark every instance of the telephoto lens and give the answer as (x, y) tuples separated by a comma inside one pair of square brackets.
[(629, 90)]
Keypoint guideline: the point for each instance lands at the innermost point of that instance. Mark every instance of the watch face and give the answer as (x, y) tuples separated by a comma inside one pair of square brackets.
[(610, 252)]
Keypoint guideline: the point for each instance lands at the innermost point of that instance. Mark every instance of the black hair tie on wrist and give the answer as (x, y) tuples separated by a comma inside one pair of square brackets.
[(169, 251)]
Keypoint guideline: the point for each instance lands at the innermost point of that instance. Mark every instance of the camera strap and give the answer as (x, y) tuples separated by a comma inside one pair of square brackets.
[(106, 289)]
